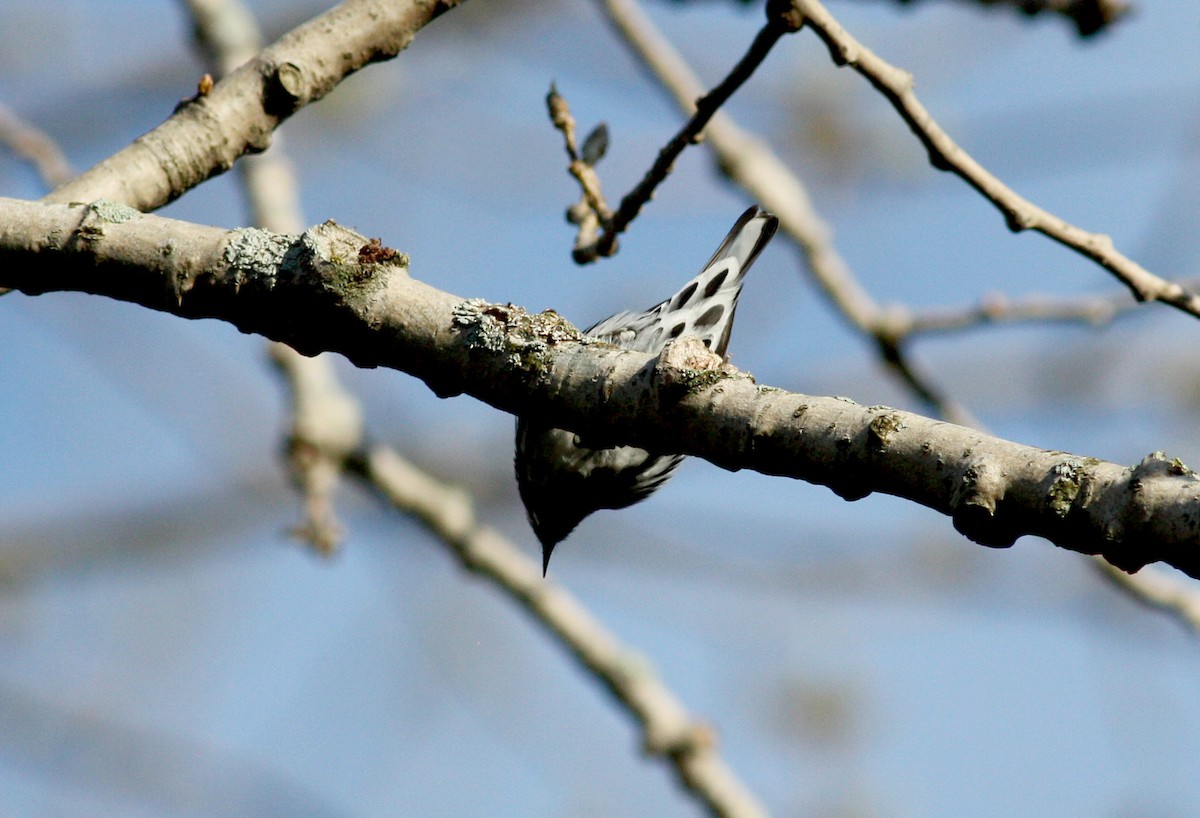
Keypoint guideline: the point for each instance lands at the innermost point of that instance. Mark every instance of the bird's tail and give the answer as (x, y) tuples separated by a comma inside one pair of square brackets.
[(704, 306)]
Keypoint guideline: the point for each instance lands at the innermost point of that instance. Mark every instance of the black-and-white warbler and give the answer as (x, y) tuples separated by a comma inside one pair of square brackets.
[(561, 481)]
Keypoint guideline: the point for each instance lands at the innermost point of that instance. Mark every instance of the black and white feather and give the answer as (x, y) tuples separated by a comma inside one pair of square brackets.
[(561, 481)]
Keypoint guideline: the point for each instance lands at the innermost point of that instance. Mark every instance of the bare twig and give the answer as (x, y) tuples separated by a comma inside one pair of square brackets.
[(1095, 311), (705, 107), (1019, 213), (226, 32), (326, 424), (996, 308), (591, 212), (326, 429)]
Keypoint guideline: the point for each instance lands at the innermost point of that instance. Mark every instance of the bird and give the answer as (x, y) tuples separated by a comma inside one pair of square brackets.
[(561, 481)]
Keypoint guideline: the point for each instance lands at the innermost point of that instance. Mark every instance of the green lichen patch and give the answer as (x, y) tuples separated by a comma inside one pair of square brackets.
[(1067, 480), (507, 328), (479, 329), (883, 428), (255, 255), (1157, 464), (697, 380), (112, 212), (347, 264), (1177, 466), (98, 215)]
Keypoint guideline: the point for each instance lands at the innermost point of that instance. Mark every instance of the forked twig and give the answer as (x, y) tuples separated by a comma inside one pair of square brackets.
[(612, 224)]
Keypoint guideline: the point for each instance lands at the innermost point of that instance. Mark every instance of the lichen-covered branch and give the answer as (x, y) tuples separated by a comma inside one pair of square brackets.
[(331, 289)]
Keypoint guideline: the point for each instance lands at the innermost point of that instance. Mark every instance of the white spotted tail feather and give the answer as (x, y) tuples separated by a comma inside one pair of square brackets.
[(561, 481)]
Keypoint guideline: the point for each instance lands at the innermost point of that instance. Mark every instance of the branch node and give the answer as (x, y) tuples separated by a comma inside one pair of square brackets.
[(1016, 220), (975, 506), (786, 14), (686, 365), (1070, 484), (883, 429), (285, 89), (685, 740)]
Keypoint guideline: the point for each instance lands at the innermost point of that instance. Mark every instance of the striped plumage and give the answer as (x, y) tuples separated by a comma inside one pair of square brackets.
[(560, 481)]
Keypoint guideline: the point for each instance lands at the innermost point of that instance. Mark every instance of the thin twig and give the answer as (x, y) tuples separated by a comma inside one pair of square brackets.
[(324, 428), (945, 154), (996, 308), (705, 108), (591, 212)]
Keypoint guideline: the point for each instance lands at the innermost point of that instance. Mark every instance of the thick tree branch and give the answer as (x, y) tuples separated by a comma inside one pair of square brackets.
[(205, 136), (327, 290)]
